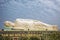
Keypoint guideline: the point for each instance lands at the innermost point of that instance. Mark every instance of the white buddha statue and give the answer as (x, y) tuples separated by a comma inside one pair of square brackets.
[(32, 25)]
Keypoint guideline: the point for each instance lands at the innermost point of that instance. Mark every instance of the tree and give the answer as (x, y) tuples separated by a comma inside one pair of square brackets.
[(55, 36)]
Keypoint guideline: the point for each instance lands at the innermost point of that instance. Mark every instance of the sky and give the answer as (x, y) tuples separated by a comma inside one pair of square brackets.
[(47, 11)]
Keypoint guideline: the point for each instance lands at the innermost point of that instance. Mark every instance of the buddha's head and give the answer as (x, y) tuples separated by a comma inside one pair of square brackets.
[(9, 24)]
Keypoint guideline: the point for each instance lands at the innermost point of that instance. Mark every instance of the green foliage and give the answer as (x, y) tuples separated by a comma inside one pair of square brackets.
[(55, 36)]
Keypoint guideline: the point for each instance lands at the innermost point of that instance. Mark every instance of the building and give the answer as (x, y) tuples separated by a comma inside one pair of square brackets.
[(29, 35)]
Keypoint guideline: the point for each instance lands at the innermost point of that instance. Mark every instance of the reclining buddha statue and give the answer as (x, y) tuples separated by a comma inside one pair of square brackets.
[(29, 24)]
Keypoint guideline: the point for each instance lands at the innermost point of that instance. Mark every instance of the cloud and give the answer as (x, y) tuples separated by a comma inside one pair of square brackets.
[(45, 10)]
